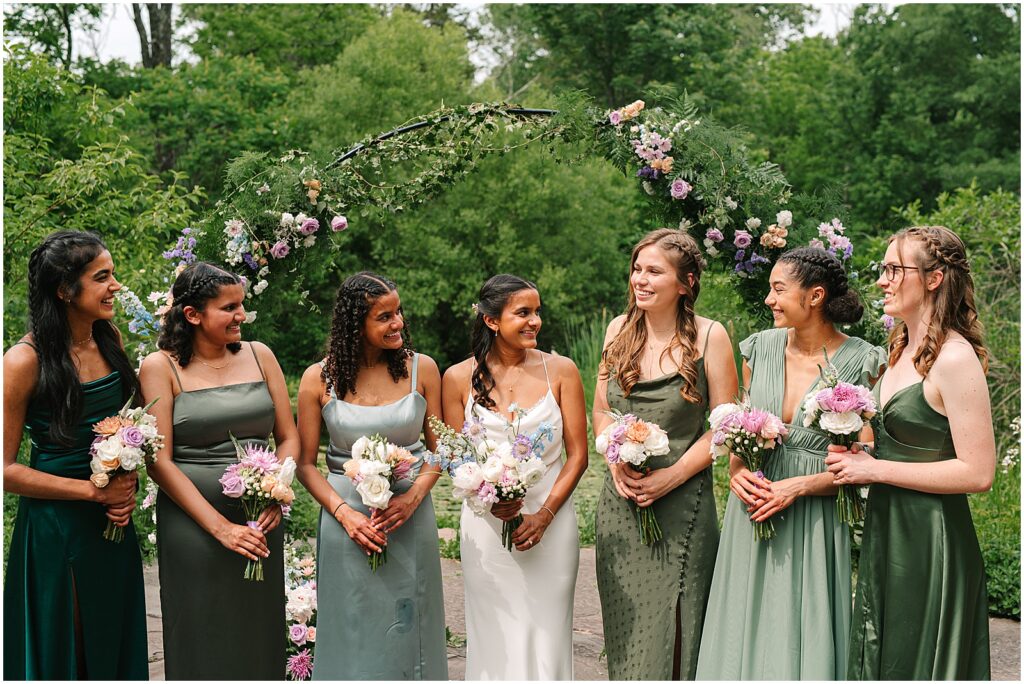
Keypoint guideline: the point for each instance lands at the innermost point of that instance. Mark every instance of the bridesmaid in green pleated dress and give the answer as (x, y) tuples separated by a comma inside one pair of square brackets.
[(216, 625), (921, 609), (780, 608), (74, 603), (665, 364)]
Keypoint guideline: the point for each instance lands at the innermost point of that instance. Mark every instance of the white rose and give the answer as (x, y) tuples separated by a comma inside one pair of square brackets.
[(287, 474), (300, 604), (131, 458), (485, 448), (259, 287), (632, 453), (373, 468), (359, 448), (532, 471), (753, 223), (381, 450), (148, 431), (287, 220), (712, 251), (601, 444), (841, 423), (784, 219), (477, 506), (492, 469), (720, 412), (468, 477), (656, 443), (96, 466), (375, 491), (109, 452), (504, 452)]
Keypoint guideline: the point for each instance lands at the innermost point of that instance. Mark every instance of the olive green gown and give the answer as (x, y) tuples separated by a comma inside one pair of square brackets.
[(216, 624), (58, 554), (780, 608), (921, 609), (644, 589)]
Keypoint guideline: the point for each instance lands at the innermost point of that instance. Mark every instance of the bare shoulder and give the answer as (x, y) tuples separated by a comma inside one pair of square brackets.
[(956, 356), (21, 362), (427, 365), (263, 352), (156, 363), (563, 366), (313, 373), (615, 326)]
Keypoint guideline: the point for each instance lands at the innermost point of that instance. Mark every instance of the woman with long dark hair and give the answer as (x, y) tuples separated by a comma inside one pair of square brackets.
[(387, 624), (519, 604), (74, 603), (921, 610), (212, 386), (663, 363)]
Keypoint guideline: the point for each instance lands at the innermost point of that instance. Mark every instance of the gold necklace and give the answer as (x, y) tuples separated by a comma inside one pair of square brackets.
[(210, 365), (85, 341)]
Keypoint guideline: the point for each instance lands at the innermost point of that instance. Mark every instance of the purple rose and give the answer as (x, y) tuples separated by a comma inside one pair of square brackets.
[(297, 633), (612, 454), (888, 322), (615, 117), (742, 239), (280, 249), (714, 235), (232, 485), (339, 223), (309, 226), (132, 437), (680, 189)]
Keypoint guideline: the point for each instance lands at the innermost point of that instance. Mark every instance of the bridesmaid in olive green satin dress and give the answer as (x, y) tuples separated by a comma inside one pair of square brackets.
[(74, 603), (216, 625), (921, 605)]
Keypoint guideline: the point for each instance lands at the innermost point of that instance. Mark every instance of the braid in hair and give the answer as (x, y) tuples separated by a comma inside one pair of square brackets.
[(195, 286), (491, 301), (816, 266), (354, 300)]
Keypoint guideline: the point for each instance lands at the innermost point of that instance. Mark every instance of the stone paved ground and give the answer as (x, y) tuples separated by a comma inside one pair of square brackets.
[(587, 633)]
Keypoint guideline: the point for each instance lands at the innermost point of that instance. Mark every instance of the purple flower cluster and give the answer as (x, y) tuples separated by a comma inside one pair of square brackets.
[(250, 261), (182, 249), (648, 172), (745, 265), (845, 397), (836, 242)]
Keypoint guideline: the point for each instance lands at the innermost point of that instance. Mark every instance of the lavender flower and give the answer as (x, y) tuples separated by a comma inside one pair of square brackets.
[(615, 118), (339, 223), (742, 239), (250, 261), (714, 235), (280, 249), (680, 189), (309, 226)]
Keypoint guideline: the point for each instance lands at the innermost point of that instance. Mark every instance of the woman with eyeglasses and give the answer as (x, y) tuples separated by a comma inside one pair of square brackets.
[(921, 610)]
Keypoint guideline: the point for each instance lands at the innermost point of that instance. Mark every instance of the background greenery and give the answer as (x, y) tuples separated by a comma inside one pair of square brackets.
[(909, 115)]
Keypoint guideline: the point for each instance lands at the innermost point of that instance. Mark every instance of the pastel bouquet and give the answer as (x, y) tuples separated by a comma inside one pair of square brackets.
[(299, 609), (376, 465), (631, 440), (840, 409), (485, 472), (259, 480), (751, 434), (123, 443)]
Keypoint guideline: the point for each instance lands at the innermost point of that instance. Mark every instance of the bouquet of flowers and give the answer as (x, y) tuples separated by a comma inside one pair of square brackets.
[(300, 609), (840, 409), (751, 434), (122, 443), (259, 480), (484, 472), (631, 440), (376, 465)]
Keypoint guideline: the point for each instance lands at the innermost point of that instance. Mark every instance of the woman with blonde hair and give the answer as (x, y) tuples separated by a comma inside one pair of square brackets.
[(921, 610)]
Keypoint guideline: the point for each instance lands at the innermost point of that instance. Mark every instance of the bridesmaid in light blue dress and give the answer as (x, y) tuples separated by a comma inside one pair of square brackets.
[(388, 624)]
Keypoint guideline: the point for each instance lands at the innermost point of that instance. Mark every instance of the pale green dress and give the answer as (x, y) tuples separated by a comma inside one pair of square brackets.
[(780, 609)]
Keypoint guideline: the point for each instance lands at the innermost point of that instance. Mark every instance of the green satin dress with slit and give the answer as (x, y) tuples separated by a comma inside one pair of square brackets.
[(58, 555), (922, 608)]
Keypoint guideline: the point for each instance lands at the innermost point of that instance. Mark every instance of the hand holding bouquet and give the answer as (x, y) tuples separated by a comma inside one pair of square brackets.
[(259, 480), (124, 441), (631, 440), (751, 434), (376, 465), (840, 409)]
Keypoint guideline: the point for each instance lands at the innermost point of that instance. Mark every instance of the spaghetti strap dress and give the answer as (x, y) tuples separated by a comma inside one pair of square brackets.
[(388, 624), (217, 625), (58, 557)]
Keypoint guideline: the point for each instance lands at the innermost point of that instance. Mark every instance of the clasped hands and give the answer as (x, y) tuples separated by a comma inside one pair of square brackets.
[(642, 488), (371, 532), (531, 530)]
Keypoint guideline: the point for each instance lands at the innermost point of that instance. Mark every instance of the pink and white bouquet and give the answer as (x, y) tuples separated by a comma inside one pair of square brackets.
[(840, 409), (752, 434), (376, 465), (300, 609), (485, 472), (632, 440), (259, 480), (123, 443)]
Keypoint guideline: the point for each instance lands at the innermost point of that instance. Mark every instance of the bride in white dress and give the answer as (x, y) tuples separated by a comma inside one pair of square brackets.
[(519, 603)]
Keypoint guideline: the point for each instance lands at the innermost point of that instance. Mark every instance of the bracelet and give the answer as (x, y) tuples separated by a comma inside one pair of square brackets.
[(545, 508), (335, 513)]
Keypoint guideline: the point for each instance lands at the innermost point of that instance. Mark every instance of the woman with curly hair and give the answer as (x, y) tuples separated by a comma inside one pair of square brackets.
[(387, 624), (74, 603), (662, 363), (921, 610), (212, 386), (780, 608)]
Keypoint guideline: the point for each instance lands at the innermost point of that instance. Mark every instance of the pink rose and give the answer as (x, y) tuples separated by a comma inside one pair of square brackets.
[(742, 239), (615, 117), (309, 226), (297, 633), (232, 485), (339, 223), (680, 189), (280, 249)]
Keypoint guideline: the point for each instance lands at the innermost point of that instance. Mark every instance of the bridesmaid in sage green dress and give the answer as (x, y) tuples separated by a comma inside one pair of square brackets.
[(922, 609), (662, 363), (74, 603), (388, 624), (216, 625), (780, 608)]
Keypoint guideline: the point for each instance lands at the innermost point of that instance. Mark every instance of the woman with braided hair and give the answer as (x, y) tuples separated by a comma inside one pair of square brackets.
[(74, 603), (663, 363), (386, 624), (922, 609), (780, 608), (212, 386)]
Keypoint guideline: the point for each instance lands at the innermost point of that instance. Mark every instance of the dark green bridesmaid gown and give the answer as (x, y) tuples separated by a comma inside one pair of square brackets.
[(58, 554), (921, 610), (216, 624)]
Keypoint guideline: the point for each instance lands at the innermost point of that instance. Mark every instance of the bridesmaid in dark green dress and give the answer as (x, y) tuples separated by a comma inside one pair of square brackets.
[(921, 605), (216, 625), (74, 603), (667, 365)]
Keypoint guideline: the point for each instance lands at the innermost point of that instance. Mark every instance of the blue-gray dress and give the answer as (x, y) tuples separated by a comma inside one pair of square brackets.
[(387, 624)]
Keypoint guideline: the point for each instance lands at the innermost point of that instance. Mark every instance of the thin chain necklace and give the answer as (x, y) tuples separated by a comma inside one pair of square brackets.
[(824, 344), (210, 365), (85, 341)]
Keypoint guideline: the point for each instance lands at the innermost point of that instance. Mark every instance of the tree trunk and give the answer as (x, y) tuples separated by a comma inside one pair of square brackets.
[(65, 19), (156, 40)]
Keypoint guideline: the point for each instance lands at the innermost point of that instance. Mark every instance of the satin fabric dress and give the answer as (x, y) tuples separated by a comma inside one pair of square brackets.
[(58, 554), (780, 608), (388, 624), (922, 608)]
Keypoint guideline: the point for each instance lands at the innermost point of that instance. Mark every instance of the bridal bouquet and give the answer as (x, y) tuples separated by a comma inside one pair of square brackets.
[(260, 481), (840, 409), (631, 440), (751, 434), (122, 443), (484, 472), (376, 465)]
